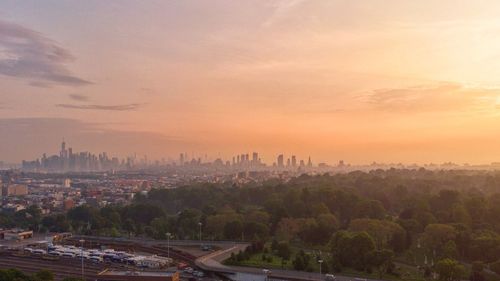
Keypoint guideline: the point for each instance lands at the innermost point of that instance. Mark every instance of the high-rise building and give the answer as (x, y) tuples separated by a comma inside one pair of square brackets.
[(309, 162), (255, 157), (280, 161), (294, 161), (63, 153), (67, 183)]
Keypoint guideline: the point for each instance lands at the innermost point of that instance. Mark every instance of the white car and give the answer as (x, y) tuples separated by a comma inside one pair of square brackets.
[(55, 253), (39, 252), (330, 277), (96, 259), (68, 254), (28, 249)]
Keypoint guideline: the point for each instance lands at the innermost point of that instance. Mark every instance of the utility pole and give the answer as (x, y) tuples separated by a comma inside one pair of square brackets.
[(199, 224), (168, 244), (81, 256)]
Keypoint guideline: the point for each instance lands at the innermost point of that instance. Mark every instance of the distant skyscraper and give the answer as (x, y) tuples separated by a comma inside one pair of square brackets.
[(63, 152), (181, 159), (280, 161), (294, 161), (309, 163), (255, 157)]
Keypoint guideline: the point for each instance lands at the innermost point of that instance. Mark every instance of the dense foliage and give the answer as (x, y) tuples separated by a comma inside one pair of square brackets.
[(16, 275), (364, 220)]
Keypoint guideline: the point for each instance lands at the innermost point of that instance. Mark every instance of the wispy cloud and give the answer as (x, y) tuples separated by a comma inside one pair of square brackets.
[(27, 54), (436, 97), (282, 8), (121, 107), (78, 97)]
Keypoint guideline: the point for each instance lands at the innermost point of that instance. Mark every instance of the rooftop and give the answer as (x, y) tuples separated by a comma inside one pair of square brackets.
[(138, 273)]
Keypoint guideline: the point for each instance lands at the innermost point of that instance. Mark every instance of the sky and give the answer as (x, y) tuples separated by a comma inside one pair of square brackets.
[(360, 81)]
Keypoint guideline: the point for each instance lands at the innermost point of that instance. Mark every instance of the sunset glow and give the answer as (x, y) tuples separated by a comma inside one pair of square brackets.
[(360, 81)]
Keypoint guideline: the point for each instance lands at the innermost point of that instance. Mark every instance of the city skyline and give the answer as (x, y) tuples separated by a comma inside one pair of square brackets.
[(67, 160), (334, 80)]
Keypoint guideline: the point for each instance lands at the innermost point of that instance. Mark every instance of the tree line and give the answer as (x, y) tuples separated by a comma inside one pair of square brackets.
[(363, 219)]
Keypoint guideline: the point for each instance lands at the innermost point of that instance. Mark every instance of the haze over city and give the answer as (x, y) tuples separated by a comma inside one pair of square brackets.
[(249, 140), (361, 81)]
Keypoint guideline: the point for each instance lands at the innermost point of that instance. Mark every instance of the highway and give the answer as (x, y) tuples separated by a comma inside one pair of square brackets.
[(212, 262)]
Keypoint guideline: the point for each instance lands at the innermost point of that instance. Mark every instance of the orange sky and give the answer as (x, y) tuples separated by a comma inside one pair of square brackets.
[(363, 81)]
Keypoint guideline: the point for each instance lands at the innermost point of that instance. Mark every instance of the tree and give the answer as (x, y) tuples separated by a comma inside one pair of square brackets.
[(437, 235), (495, 267), (72, 279), (382, 231), (233, 230), (371, 209), (13, 275), (288, 228), (382, 260), (449, 270), (283, 251), (301, 261), (44, 275), (352, 249), (477, 272), (450, 250)]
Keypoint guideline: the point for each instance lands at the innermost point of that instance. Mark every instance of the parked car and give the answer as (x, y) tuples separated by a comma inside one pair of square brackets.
[(330, 277), (39, 252)]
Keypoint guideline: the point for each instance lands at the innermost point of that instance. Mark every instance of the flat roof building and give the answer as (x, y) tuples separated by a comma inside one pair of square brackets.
[(110, 275), (14, 190)]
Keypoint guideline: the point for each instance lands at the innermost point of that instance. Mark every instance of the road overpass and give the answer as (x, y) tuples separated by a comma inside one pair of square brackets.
[(212, 262)]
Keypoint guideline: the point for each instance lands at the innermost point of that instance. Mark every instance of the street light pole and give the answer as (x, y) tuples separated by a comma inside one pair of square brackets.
[(199, 224), (320, 262), (168, 244), (266, 273), (81, 256)]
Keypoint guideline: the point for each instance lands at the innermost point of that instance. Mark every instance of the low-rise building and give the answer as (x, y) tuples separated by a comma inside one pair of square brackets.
[(14, 190), (15, 234), (109, 275)]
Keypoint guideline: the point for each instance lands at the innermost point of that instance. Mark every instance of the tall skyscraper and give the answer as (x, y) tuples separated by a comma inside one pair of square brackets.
[(63, 153), (255, 157), (294, 161), (280, 161)]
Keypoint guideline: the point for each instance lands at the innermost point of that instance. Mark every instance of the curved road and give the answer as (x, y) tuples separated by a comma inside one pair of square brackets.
[(212, 262)]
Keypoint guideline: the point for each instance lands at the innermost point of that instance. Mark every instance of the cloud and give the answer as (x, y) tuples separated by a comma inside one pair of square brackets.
[(27, 54), (435, 97), (78, 97), (281, 10), (121, 107)]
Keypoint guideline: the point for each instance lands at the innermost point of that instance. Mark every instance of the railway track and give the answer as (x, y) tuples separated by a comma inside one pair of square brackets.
[(63, 267), (134, 247), (60, 270)]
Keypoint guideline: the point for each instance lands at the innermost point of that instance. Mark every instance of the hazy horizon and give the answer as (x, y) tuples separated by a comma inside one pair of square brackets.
[(412, 82)]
